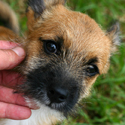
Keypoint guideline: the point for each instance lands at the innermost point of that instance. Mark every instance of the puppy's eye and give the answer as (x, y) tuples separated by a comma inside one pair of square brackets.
[(50, 47), (92, 70)]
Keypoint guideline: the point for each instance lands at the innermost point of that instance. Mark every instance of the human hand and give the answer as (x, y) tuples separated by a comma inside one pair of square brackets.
[(12, 106)]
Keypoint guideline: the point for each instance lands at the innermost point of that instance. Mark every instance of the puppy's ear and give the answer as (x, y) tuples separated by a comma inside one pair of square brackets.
[(37, 7), (114, 35)]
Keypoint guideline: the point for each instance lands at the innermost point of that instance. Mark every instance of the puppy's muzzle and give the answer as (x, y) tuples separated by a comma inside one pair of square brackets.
[(53, 87)]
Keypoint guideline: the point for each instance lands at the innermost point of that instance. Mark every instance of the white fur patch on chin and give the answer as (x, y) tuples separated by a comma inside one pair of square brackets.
[(42, 116)]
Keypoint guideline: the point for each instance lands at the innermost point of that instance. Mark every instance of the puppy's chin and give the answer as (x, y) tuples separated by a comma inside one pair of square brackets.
[(44, 112), (32, 103)]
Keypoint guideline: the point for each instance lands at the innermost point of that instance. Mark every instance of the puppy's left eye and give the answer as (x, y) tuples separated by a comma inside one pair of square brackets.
[(92, 70)]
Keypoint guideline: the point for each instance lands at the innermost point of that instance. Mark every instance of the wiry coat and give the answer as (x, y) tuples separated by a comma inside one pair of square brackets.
[(82, 53)]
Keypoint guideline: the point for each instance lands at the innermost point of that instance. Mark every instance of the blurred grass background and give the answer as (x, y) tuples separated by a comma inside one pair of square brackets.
[(106, 104)]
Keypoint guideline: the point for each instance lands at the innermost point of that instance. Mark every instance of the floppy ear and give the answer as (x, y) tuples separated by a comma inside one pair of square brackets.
[(113, 34), (37, 7)]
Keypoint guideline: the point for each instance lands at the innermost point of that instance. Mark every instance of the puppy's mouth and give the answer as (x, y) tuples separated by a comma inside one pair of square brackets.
[(53, 88), (57, 98), (54, 100), (36, 104)]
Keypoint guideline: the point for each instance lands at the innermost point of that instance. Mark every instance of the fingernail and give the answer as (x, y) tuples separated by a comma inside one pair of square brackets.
[(19, 51)]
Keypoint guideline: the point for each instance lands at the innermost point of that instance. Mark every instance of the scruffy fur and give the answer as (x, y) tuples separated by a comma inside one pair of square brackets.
[(82, 53)]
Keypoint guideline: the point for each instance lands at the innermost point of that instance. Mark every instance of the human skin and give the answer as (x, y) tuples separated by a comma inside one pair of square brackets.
[(12, 106)]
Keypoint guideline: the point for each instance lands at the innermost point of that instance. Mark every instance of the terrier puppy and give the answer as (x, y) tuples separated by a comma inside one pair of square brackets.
[(66, 52)]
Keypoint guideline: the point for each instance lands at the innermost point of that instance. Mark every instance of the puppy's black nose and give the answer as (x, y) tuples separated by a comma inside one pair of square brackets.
[(57, 95)]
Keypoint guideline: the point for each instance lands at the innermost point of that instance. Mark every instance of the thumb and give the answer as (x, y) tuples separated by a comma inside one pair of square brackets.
[(9, 58)]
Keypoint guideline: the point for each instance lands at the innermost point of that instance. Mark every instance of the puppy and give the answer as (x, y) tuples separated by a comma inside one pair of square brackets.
[(66, 52)]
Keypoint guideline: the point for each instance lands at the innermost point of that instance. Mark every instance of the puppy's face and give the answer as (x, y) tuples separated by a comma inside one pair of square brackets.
[(66, 52)]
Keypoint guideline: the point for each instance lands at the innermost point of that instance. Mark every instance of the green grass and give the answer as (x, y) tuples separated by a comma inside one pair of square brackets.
[(106, 104)]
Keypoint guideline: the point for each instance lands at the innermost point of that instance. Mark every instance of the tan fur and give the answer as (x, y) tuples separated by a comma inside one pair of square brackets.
[(82, 37), (76, 29)]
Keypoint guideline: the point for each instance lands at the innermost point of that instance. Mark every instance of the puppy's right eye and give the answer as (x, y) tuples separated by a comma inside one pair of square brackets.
[(50, 47)]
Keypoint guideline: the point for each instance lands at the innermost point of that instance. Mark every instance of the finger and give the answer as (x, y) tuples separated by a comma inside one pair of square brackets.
[(14, 111), (7, 44), (7, 95), (11, 58), (10, 78)]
